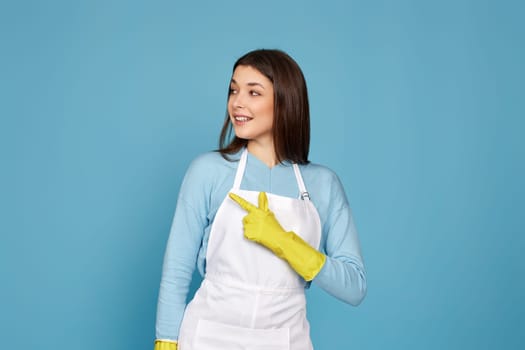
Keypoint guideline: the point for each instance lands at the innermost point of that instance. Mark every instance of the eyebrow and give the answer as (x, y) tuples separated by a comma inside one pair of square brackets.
[(249, 84)]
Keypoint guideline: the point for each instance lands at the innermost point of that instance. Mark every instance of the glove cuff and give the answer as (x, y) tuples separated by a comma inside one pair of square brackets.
[(165, 344)]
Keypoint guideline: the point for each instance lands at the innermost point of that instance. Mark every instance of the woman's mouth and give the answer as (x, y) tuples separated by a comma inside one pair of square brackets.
[(241, 119)]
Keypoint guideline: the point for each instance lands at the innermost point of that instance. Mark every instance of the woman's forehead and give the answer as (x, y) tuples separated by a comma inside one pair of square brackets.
[(248, 75)]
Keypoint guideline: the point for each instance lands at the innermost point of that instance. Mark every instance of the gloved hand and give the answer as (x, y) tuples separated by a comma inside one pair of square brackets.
[(165, 345), (261, 226)]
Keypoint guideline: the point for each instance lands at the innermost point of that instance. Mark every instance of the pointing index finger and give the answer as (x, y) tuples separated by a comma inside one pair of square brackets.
[(243, 203), (263, 201)]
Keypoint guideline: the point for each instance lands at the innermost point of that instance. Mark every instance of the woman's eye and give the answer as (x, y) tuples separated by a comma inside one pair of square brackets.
[(254, 93), (232, 91)]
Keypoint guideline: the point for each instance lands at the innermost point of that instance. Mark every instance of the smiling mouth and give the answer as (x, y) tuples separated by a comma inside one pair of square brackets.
[(242, 119)]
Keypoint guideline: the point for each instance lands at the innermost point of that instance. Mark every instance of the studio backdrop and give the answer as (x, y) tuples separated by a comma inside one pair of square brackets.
[(416, 105)]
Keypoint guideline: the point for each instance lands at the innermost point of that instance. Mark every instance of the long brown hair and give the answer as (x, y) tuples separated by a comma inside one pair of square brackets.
[(291, 126)]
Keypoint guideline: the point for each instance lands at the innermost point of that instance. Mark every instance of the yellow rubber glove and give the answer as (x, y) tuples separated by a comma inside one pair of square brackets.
[(165, 345), (261, 226)]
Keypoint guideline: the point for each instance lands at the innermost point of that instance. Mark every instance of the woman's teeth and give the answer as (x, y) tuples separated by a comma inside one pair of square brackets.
[(242, 119)]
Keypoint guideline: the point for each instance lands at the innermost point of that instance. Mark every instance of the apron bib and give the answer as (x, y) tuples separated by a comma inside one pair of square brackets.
[(250, 299)]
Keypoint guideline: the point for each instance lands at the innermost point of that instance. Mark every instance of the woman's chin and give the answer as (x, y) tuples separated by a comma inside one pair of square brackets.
[(242, 135)]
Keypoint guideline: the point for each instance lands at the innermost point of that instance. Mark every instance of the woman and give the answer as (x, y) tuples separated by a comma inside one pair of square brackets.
[(260, 222)]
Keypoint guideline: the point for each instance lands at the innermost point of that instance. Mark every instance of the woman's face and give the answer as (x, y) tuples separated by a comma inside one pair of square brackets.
[(250, 105)]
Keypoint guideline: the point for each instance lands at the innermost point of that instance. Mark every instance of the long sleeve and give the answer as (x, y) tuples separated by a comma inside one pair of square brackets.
[(343, 274), (179, 264), (185, 239)]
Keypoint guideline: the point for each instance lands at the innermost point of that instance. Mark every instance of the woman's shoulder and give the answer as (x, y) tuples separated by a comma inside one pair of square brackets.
[(207, 171), (319, 171), (212, 163), (324, 185)]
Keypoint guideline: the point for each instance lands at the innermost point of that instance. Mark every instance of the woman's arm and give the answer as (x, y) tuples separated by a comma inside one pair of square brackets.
[(343, 274), (179, 263), (182, 249)]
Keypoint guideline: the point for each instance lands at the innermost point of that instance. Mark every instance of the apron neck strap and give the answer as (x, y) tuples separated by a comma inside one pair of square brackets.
[(240, 170), (300, 182)]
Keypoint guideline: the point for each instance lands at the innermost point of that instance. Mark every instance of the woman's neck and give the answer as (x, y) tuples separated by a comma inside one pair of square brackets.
[(265, 153)]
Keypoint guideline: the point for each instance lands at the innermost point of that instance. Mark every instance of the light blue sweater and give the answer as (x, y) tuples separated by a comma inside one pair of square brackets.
[(208, 180)]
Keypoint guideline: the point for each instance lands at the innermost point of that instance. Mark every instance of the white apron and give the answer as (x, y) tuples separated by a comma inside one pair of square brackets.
[(250, 299)]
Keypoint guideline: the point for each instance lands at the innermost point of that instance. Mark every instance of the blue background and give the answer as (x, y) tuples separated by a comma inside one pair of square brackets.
[(417, 105)]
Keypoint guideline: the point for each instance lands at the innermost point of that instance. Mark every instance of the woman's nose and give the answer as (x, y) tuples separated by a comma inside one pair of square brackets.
[(238, 101)]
